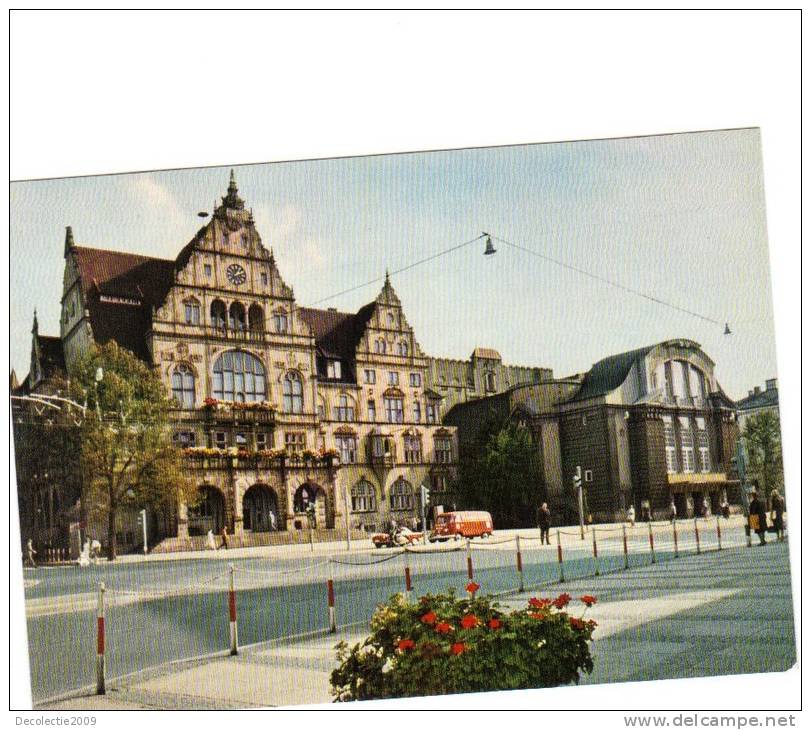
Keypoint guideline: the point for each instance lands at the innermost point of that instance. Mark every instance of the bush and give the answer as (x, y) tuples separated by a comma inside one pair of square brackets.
[(444, 645)]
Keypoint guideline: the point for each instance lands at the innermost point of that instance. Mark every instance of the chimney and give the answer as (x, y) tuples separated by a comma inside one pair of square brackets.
[(757, 390), (771, 384)]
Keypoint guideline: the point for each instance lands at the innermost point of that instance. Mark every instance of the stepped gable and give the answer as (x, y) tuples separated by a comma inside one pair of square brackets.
[(337, 334)]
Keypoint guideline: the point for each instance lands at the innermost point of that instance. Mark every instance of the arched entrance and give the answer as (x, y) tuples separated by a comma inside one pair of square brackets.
[(309, 500), (208, 513), (260, 511)]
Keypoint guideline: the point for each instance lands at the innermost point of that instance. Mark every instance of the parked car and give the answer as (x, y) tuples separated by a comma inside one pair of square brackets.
[(402, 537), (456, 525)]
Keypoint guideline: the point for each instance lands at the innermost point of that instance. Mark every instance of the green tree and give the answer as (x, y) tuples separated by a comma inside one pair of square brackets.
[(127, 455), (501, 473), (764, 451)]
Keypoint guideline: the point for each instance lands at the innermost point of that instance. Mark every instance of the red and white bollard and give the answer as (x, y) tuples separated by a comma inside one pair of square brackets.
[(232, 611), (100, 689), (407, 577), (650, 540), (698, 540), (594, 551), (625, 545), (718, 531), (675, 541), (518, 564), (560, 558), (331, 604), (469, 561)]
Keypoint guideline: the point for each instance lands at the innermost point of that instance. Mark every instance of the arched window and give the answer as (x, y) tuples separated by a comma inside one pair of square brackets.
[(345, 410), (402, 495), (191, 311), (404, 349), (183, 386), (490, 382), (256, 318), (218, 314), (363, 497), (236, 317), (380, 346), (280, 322), (239, 376), (293, 393)]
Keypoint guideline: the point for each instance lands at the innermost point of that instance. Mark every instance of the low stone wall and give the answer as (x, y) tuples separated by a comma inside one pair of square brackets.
[(258, 539)]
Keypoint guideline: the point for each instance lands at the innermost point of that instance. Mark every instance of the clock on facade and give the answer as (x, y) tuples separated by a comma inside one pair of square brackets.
[(235, 274)]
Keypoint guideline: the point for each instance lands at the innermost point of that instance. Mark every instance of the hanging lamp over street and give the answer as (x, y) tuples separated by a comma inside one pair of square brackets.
[(727, 331), (489, 249)]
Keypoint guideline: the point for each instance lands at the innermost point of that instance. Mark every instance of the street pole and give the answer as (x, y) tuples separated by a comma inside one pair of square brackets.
[(422, 514), (143, 524), (740, 463), (346, 513)]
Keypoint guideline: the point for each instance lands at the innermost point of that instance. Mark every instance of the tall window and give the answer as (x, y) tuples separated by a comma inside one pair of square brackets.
[(670, 445), (347, 448), (183, 439), (363, 497), (218, 314), (371, 411), (412, 446), (183, 386), (402, 495), (394, 409), (256, 318), (280, 322), (443, 452), (380, 346), (239, 377), (430, 413), (334, 369), (403, 349), (191, 310), (417, 411), (688, 460), (294, 442), (369, 377), (703, 443), (490, 382), (668, 380), (394, 378), (415, 380), (293, 393), (236, 317), (345, 410)]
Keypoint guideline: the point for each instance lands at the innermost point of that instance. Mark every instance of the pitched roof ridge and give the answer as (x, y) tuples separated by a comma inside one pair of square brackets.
[(123, 253)]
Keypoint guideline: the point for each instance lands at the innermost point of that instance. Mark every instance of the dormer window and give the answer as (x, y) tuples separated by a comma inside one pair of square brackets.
[(490, 382), (334, 369)]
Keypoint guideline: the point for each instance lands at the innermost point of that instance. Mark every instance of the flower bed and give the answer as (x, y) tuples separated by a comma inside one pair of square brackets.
[(212, 404), (444, 645)]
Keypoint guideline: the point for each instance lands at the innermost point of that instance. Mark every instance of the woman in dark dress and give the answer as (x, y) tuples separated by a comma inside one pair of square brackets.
[(778, 508), (757, 517)]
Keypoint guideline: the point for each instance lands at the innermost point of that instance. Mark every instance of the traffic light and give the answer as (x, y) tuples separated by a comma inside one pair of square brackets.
[(425, 494)]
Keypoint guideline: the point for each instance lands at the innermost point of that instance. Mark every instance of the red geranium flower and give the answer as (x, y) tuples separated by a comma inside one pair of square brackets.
[(429, 618), (577, 623), (470, 621), (494, 623), (588, 600), (444, 628), (562, 600), (472, 587), (539, 616), (458, 648), (539, 602), (405, 644)]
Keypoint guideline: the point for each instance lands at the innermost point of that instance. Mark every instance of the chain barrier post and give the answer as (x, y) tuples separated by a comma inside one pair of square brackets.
[(625, 545), (650, 540), (675, 540), (469, 561), (718, 531), (232, 610), (331, 601), (100, 688), (407, 577), (560, 559), (518, 564), (594, 551), (698, 540)]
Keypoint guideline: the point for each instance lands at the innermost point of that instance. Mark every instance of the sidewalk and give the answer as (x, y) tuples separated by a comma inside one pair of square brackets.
[(721, 597)]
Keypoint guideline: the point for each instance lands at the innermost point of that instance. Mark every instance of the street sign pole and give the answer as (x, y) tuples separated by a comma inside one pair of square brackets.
[(143, 525), (578, 485), (423, 501), (346, 512)]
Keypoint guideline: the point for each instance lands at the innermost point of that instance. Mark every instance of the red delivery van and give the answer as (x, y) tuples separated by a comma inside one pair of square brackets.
[(457, 525)]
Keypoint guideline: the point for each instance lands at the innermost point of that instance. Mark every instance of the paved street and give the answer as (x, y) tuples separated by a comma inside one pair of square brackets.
[(168, 610)]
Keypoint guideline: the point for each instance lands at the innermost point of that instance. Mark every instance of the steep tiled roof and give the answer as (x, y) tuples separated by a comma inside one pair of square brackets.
[(486, 353), (609, 373), (767, 398), (120, 290), (337, 333)]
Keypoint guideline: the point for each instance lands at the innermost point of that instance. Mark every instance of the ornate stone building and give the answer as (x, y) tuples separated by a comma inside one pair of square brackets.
[(287, 415)]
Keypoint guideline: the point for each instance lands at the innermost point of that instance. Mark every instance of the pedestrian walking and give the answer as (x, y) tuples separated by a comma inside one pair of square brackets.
[(645, 511), (224, 535), (30, 553), (725, 510), (778, 508), (673, 512), (544, 523), (705, 509), (210, 543), (95, 551), (757, 516), (631, 515), (272, 518)]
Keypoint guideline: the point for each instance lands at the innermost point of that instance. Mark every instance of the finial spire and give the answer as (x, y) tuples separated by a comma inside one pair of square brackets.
[(35, 328), (69, 242), (387, 282), (232, 200)]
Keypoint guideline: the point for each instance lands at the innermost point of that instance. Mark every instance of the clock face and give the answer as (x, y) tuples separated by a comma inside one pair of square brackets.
[(235, 274)]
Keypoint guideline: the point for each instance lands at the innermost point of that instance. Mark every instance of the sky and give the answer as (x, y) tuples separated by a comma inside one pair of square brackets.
[(679, 217)]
